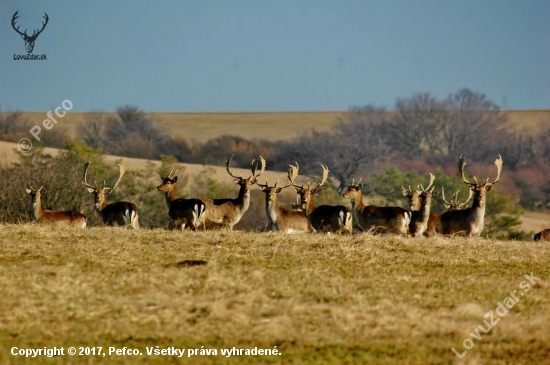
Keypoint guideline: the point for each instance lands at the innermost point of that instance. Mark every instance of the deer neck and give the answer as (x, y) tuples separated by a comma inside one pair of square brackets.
[(37, 209), (272, 209), (170, 196), (424, 211), (310, 207), (357, 202), (243, 200), (102, 204)]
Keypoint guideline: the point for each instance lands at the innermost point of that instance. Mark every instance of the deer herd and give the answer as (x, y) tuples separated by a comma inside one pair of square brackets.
[(305, 215)]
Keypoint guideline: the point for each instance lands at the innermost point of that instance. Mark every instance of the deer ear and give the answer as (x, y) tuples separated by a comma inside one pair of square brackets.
[(28, 191), (298, 190), (263, 188), (488, 187), (278, 190), (91, 190), (175, 179), (360, 186), (22, 36), (314, 191), (434, 195), (237, 181)]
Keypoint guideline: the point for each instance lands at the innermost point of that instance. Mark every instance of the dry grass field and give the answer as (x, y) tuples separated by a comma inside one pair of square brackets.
[(200, 127), (320, 299)]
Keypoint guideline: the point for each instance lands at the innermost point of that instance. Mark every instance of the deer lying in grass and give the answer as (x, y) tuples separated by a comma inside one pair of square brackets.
[(183, 212), (228, 212), (369, 217), (323, 217), (542, 235), (118, 213), (281, 219), (471, 220), (44, 216), (420, 218)]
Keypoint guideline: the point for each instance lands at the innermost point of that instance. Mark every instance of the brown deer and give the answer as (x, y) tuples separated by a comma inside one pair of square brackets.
[(44, 216), (118, 213), (470, 220), (542, 235), (228, 212), (183, 212), (281, 219), (323, 217), (369, 217), (434, 223), (420, 218)]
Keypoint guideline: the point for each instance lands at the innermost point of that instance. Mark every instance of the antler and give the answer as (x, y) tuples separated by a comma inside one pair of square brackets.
[(254, 167), (121, 172), (358, 182), (461, 164), (432, 178), (498, 164), (43, 26), (325, 176), (13, 19), (229, 170), (443, 197), (292, 174), (171, 171), (85, 182)]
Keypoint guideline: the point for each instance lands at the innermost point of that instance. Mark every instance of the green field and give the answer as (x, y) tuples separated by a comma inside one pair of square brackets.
[(320, 299)]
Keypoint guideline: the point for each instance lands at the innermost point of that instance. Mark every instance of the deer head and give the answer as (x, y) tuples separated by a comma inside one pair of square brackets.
[(425, 193), (479, 189), (353, 189), (100, 194), (252, 179), (169, 182), (29, 40), (306, 192), (455, 204), (272, 191), (35, 194)]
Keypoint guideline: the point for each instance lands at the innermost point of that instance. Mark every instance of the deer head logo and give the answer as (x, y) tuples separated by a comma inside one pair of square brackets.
[(29, 40)]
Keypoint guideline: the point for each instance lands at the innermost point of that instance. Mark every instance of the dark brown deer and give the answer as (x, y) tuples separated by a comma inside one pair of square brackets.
[(281, 219), (228, 212), (369, 217), (329, 218), (542, 235), (434, 223), (183, 212), (118, 213), (420, 217), (470, 221), (44, 216), (29, 40)]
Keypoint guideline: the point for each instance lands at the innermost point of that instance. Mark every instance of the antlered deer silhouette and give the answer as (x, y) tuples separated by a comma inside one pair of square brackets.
[(29, 40)]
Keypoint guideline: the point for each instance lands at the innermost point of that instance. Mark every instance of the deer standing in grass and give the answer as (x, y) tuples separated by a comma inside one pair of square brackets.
[(368, 217), (420, 217), (183, 212), (44, 216), (434, 223), (228, 212), (118, 213), (470, 220), (323, 217), (281, 219)]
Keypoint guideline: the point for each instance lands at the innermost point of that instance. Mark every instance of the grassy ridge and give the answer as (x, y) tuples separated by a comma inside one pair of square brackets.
[(318, 298)]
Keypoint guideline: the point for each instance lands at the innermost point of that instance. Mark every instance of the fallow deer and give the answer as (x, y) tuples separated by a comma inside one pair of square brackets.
[(118, 213), (369, 217), (323, 217), (471, 220), (281, 219), (420, 218), (183, 212), (434, 223), (228, 212), (44, 216), (542, 235)]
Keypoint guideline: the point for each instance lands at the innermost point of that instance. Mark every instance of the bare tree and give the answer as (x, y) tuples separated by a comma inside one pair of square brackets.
[(91, 131)]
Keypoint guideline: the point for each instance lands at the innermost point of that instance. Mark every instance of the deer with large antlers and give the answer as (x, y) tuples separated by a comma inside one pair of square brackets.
[(434, 223), (470, 220), (323, 217), (281, 219), (44, 216), (118, 213), (183, 212), (29, 40), (228, 212), (369, 217), (420, 218)]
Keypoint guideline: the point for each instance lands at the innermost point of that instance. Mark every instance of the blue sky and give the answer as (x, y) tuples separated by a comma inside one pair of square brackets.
[(285, 55)]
